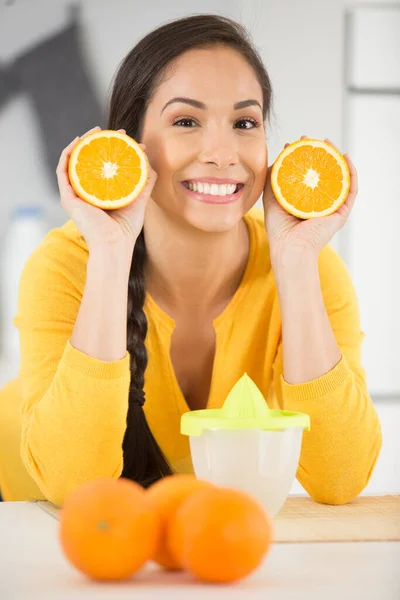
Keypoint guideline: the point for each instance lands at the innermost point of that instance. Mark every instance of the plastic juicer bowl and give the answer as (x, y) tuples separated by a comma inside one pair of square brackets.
[(263, 463), (247, 446)]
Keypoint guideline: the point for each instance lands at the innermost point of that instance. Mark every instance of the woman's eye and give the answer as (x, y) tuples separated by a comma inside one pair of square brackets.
[(184, 120), (252, 121)]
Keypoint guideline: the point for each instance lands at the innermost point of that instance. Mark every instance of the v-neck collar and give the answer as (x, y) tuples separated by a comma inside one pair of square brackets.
[(224, 318)]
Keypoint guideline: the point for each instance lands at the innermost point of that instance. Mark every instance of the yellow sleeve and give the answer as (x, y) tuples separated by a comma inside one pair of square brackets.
[(339, 453), (74, 406)]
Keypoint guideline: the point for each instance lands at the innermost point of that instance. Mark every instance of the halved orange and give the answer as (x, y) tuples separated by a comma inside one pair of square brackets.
[(310, 178), (108, 169)]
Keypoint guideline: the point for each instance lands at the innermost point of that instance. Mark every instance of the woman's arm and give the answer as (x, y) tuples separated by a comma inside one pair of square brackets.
[(75, 370), (321, 352), (309, 345), (100, 328), (318, 371)]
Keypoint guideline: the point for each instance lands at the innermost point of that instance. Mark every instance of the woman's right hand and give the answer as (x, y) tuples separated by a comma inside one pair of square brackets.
[(102, 228)]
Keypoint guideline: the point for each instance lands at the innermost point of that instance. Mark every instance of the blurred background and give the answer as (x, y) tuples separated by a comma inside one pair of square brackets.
[(335, 71)]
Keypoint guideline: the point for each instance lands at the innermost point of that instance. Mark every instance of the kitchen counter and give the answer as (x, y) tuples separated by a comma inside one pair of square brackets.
[(299, 565)]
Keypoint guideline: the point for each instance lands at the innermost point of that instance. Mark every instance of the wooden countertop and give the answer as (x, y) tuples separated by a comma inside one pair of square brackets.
[(367, 518)]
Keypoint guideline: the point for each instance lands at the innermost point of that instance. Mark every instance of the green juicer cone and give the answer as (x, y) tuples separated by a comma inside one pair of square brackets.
[(244, 408)]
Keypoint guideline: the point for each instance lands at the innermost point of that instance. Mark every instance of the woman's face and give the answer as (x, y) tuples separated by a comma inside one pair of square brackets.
[(214, 140)]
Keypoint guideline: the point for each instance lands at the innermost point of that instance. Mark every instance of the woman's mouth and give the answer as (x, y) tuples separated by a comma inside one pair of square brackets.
[(213, 193)]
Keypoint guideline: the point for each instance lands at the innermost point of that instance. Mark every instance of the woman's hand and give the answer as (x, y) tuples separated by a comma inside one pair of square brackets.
[(289, 235), (99, 227)]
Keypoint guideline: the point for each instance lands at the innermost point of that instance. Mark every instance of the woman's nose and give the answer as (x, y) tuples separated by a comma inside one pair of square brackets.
[(220, 150)]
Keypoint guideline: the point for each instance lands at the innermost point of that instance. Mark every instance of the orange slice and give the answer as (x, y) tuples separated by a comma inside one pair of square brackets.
[(310, 178), (108, 169)]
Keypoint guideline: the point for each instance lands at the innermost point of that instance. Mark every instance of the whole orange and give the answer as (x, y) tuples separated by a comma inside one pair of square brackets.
[(220, 535), (108, 530), (166, 495)]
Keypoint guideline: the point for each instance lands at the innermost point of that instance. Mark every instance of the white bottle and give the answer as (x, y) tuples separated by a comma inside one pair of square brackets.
[(27, 228)]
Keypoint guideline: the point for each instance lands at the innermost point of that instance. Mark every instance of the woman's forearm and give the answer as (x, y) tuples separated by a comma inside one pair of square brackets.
[(309, 346), (100, 327)]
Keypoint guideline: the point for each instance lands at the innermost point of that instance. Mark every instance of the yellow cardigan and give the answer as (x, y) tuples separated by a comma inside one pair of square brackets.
[(62, 421)]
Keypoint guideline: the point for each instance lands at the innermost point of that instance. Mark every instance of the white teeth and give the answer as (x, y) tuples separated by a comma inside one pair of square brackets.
[(212, 189)]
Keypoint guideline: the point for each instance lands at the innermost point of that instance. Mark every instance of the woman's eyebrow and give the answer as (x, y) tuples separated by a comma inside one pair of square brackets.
[(198, 104)]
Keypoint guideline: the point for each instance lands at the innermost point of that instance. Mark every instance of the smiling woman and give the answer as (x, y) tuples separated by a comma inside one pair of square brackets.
[(207, 119), (129, 319)]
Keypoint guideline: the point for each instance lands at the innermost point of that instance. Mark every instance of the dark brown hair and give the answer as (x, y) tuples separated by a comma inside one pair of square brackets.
[(136, 80)]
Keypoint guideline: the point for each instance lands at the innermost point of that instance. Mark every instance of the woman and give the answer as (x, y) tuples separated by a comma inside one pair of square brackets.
[(198, 293)]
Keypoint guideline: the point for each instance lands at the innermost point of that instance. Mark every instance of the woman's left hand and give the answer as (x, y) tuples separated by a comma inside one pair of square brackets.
[(287, 233)]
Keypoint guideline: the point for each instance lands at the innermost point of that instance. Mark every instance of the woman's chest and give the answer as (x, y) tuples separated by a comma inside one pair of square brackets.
[(195, 366), (197, 362), (192, 355)]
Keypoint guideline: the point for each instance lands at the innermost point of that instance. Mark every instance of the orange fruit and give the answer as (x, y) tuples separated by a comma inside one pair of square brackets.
[(166, 495), (108, 169), (108, 529), (310, 178), (220, 535)]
